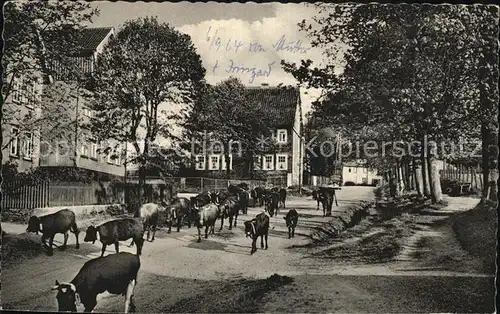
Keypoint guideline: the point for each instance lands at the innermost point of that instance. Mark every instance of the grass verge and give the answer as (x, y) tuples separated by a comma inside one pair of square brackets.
[(17, 247), (476, 230), (238, 296)]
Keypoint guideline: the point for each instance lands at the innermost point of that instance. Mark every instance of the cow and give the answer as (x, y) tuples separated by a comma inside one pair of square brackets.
[(115, 273), (326, 196), (257, 227), (291, 219), (179, 209), (243, 186), (221, 196), (234, 189), (258, 196), (244, 198), (202, 199), (318, 197), (282, 194), (229, 209), (149, 213), (49, 225), (117, 230), (272, 200), (206, 217)]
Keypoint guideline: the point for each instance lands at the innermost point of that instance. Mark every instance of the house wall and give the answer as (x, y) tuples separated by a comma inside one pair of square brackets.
[(359, 175), (297, 148), (62, 149), (15, 110), (286, 147)]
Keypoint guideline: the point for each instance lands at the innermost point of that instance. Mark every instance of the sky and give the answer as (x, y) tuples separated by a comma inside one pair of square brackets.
[(232, 35)]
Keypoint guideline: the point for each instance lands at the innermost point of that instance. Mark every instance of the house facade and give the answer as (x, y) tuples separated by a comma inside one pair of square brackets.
[(78, 147), (282, 107), (21, 141), (358, 172)]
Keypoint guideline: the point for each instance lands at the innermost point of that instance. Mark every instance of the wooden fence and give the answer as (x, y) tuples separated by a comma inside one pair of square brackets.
[(47, 194), (26, 195), (464, 175), (17, 195), (199, 184)]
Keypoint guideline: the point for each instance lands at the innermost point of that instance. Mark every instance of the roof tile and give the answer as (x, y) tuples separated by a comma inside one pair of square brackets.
[(92, 37), (278, 103)]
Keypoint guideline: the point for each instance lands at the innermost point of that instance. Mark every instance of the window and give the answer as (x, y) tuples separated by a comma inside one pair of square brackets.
[(355, 169), (118, 159), (282, 136), (32, 93), (109, 156), (85, 147), (349, 169), (257, 162), (224, 162), (216, 148), (365, 170), (93, 150), (214, 162), (14, 143), (17, 87), (28, 145), (282, 162), (268, 162), (200, 162)]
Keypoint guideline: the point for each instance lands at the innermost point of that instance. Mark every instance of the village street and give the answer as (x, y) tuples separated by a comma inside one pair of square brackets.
[(179, 275)]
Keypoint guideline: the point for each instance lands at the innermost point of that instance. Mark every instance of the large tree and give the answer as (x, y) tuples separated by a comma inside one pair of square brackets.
[(411, 69), (38, 34), (146, 65), (226, 113)]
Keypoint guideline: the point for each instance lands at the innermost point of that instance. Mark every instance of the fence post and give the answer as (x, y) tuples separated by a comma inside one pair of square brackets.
[(201, 184)]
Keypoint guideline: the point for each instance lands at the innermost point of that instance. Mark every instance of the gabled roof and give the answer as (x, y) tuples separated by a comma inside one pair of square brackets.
[(278, 104), (93, 37)]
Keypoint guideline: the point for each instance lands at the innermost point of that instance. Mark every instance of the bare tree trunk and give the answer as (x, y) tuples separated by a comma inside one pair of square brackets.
[(435, 180), (410, 175), (417, 171), (425, 178), (489, 136), (398, 178), (429, 169), (392, 185)]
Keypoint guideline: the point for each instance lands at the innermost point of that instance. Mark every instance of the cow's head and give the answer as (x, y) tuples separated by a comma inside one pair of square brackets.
[(250, 228), (34, 224), (67, 297), (91, 234)]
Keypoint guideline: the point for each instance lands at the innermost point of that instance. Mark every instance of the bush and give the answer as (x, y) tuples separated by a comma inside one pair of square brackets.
[(349, 183)]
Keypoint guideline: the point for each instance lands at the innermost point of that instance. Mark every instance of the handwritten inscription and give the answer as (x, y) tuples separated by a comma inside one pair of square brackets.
[(253, 72), (235, 46), (217, 43)]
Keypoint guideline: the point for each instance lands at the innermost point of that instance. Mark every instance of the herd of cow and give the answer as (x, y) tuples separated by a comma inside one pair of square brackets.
[(117, 273)]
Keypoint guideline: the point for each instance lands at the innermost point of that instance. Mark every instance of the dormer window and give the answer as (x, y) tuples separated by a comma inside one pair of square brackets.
[(282, 136)]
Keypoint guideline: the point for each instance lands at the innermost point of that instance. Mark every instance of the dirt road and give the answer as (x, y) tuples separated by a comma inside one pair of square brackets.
[(219, 274)]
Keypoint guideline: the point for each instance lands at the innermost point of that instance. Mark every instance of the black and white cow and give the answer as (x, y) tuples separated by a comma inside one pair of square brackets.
[(115, 273)]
